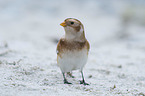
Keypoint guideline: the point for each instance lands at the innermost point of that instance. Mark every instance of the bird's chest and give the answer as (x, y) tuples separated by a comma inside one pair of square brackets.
[(72, 60), (75, 56)]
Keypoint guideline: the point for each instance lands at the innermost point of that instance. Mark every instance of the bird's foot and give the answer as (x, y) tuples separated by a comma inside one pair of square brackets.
[(66, 82), (83, 82)]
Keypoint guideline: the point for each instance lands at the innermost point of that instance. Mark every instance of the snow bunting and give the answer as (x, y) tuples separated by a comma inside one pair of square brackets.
[(72, 49)]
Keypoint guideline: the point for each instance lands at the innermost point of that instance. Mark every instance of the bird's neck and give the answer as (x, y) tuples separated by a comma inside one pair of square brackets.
[(78, 36)]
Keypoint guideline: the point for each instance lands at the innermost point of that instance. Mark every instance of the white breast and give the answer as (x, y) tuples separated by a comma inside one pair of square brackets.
[(72, 60)]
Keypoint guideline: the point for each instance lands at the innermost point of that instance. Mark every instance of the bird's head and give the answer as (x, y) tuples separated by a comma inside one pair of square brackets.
[(74, 29)]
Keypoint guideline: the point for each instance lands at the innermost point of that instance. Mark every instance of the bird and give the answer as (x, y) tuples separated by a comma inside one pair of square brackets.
[(72, 49)]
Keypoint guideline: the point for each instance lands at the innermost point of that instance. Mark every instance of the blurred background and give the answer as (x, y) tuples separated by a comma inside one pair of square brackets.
[(103, 19)]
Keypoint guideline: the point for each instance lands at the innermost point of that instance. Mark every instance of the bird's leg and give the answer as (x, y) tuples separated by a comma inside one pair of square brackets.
[(83, 81), (65, 80), (70, 74)]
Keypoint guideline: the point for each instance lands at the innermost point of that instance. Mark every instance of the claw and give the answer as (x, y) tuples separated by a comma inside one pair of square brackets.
[(82, 82), (66, 82)]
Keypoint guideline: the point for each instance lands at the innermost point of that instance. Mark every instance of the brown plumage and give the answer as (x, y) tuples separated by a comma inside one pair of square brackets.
[(64, 45)]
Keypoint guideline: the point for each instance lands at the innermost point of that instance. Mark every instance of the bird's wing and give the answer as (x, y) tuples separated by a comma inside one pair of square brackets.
[(88, 45), (58, 48)]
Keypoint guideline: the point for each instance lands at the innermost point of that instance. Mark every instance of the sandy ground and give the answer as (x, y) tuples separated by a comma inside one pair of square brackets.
[(116, 67)]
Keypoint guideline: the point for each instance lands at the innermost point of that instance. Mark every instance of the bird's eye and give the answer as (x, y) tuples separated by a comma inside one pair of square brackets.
[(71, 23)]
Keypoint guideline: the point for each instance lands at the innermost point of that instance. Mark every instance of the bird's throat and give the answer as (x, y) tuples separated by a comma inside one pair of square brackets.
[(75, 37)]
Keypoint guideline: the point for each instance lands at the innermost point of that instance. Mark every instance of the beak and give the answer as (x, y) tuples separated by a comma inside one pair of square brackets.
[(63, 24)]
